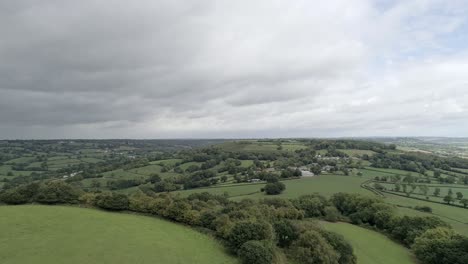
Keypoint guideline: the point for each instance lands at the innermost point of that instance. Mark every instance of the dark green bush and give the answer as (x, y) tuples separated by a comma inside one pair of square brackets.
[(112, 201), (249, 230), (274, 188), (256, 252)]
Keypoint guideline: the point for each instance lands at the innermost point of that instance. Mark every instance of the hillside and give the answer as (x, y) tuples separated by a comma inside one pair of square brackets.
[(371, 247), (58, 234)]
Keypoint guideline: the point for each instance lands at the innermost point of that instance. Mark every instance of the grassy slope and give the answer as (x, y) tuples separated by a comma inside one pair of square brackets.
[(57, 234), (371, 247)]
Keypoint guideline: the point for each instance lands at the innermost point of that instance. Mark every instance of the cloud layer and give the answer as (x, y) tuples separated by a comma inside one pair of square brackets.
[(164, 69)]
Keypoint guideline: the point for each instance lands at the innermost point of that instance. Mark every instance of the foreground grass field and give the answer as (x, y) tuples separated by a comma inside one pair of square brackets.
[(58, 234), (371, 247)]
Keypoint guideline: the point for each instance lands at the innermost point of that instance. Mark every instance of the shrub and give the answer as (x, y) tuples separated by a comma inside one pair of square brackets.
[(406, 228), (286, 233), (245, 231), (274, 188), (112, 201), (423, 209), (312, 204), (13, 196), (256, 252), (57, 192), (312, 248), (154, 178), (20, 195), (332, 214), (441, 245)]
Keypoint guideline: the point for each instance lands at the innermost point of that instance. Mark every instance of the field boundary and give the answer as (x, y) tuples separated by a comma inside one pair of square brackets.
[(421, 184), (392, 173), (420, 199), (367, 187)]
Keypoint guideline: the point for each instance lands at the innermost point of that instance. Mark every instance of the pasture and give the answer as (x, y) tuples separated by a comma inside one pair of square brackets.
[(261, 146), (323, 184), (371, 247), (60, 234), (455, 216), (357, 152)]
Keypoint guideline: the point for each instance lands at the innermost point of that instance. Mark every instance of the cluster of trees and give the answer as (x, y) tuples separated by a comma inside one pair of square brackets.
[(52, 192), (200, 179), (441, 245), (289, 173), (319, 144), (408, 189), (396, 161)]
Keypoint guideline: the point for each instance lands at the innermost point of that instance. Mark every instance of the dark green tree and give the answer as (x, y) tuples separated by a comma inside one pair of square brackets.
[(256, 252), (249, 230)]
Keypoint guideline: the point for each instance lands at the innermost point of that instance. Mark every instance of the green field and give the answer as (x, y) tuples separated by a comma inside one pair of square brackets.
[(169, 162), (444, 190), (324, 184), (455, 216), (258, 146), (357, 152), (246, 163), (58, 234), (389, 172), (24, 159), (371, 247), (188, 164), (91, 160), (121, 174), (147, 170)]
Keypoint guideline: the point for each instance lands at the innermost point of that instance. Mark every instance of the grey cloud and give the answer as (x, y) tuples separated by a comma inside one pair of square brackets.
[(213, 68)]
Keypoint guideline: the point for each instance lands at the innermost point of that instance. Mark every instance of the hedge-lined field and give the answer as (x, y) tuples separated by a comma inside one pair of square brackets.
[(371, 247)]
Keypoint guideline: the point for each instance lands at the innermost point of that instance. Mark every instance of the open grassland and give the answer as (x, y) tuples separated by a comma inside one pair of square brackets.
[(246, 163), (5, 169), (444, 190), (357, 152), (459, 227), (371, 247), (121, 174), (259, 146), (455, 216), (324, 184), (184, 166), (57, 234), (91, 160), (147, 170), (25, 159), (389, 172), (168, 162)]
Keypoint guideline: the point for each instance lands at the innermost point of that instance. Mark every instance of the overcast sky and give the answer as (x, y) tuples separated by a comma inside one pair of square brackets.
[(215, 68)]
